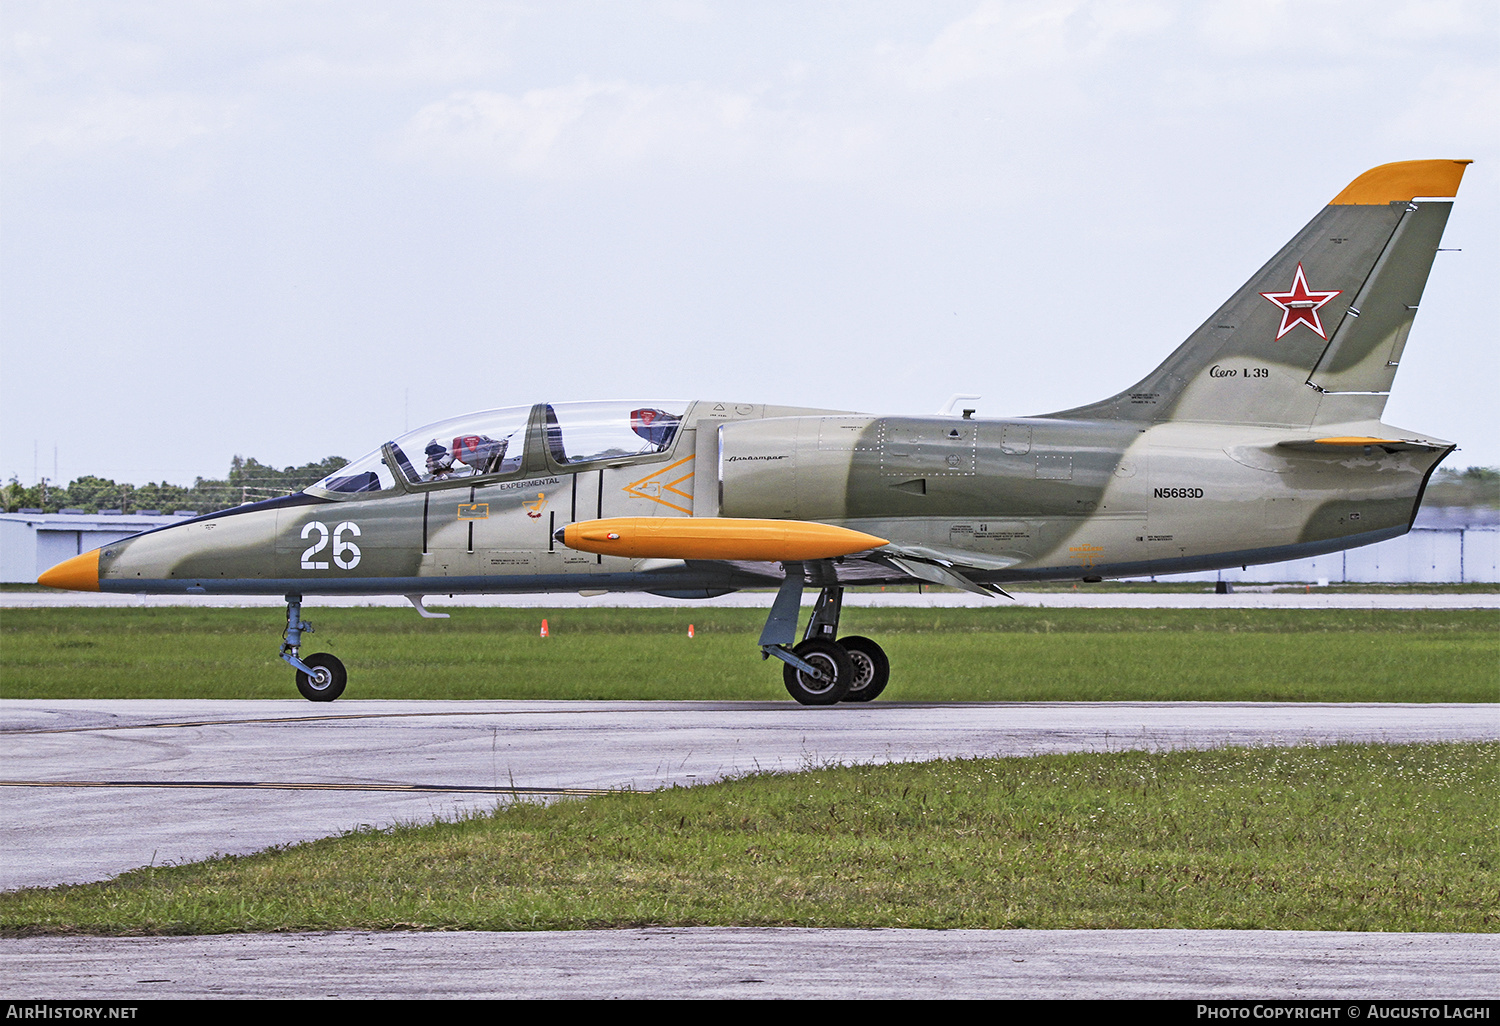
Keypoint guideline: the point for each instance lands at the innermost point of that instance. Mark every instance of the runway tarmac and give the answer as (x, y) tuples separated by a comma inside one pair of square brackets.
[(96, 787), (93, 788), (1213, 965)]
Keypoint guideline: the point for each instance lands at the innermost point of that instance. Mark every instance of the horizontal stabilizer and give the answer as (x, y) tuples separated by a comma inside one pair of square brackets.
[(1346, 444)]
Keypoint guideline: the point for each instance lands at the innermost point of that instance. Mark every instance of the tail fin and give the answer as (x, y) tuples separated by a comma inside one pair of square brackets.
[(1315, 335)]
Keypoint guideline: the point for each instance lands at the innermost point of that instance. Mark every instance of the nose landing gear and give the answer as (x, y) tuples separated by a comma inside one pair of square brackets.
[(320, 677), (327, 679), (823, 669)]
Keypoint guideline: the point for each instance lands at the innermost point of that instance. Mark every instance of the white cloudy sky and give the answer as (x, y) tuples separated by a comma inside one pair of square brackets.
[(289, 230)]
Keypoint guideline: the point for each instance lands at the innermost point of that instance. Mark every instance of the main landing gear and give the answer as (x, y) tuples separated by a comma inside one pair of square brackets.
[(320, 677), (823, 669)]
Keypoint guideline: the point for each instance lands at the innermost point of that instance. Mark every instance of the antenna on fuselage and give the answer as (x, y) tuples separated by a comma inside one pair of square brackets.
[(958, 397)]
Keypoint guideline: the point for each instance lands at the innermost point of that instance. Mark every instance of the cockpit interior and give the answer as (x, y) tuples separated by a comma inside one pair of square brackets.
[(510, 441)]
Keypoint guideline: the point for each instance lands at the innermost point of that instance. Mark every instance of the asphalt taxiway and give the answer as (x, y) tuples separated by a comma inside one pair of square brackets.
[(1214, 965), (92, 788), (95, 787)]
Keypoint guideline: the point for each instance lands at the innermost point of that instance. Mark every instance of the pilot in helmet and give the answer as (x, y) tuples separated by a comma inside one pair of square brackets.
[(439, 460)]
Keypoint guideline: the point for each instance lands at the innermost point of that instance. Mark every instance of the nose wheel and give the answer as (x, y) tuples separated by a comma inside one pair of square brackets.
[(327, 679), (320, 677)]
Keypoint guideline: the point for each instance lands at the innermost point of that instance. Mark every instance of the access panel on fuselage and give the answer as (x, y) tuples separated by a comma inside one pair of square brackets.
[(491, 530)]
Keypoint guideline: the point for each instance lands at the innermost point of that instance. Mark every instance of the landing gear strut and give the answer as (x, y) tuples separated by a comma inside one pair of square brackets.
[(320, 677), (822, 670)]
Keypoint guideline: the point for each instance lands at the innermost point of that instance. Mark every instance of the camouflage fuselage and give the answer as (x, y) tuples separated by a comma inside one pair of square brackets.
[(1002, 500)]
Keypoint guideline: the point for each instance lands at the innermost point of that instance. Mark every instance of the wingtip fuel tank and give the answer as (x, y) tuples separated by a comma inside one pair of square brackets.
[(726, 538)]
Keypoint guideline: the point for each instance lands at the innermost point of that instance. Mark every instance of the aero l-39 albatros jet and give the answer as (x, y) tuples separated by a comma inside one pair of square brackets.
[(1258, 440)]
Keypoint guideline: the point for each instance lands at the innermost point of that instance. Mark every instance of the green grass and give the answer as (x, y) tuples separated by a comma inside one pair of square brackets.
[(1351, 837), (998, 654)]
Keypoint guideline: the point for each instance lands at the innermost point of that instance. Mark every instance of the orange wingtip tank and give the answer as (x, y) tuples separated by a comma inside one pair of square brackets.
[(81, 573), (715, 538)]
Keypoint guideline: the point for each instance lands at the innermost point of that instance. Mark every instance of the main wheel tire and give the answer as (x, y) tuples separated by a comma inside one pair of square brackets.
[(872, 670), (830, 658), (328, 680)]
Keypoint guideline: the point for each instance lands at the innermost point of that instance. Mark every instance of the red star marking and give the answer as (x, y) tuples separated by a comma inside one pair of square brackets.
[(1300, 305)]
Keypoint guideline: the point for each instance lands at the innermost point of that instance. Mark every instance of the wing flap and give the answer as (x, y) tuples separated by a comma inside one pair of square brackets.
[(941, 567)]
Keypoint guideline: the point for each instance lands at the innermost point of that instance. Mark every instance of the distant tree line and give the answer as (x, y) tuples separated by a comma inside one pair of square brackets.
[(1472, 486), (248, 481)]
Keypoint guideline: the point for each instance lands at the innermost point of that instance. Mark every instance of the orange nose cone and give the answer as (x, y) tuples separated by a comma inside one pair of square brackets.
[(81, 573)]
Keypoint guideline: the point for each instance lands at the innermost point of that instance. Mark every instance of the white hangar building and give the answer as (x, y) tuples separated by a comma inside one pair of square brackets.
[(32, 541), (1446, 545)]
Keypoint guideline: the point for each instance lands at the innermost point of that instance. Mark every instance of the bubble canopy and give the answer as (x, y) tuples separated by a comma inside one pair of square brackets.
[(586, 432), (493, 443)]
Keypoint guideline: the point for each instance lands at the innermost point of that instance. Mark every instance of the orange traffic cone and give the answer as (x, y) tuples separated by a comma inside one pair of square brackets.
[(544, 628), (690, 630)]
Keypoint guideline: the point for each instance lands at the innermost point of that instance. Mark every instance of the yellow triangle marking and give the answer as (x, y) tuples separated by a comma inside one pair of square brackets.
[(633, 488)]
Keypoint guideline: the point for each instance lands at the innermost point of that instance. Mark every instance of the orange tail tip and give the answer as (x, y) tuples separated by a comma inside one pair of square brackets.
[(1404, 180), (81, 573), (716, 538)]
